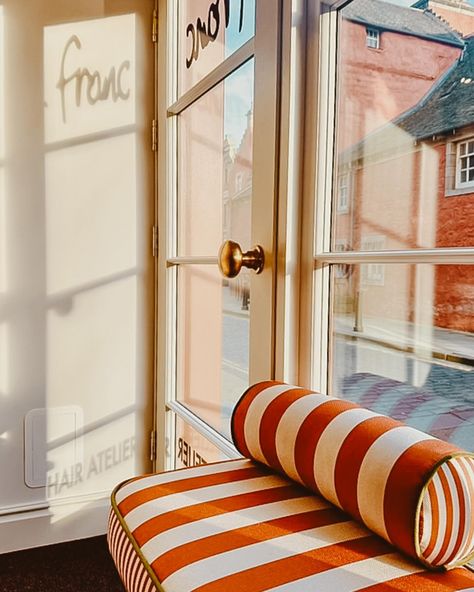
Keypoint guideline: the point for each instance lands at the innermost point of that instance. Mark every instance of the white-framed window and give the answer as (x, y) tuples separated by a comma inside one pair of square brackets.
[(373, 274), (465, 164), (342, 271), (373, 38), (238, 182), (343, 193)]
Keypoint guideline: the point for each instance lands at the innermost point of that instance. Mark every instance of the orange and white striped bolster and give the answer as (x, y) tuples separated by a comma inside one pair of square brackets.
[(410, 488)]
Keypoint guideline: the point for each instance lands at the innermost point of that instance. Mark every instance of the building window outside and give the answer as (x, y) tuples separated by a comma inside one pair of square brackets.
[(465, 164), (343, 193), (342, 271), (373, 273), (373, 38), (238, 182)]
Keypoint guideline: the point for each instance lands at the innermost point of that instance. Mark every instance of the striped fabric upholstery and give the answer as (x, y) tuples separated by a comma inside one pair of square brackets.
[(369, 465), (237, 526), (448, 515), (131, 568)]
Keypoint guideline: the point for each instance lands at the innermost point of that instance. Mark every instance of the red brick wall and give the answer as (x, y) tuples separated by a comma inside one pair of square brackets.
[(454, 302)]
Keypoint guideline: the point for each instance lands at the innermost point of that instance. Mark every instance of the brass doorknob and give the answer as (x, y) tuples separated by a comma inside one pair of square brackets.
[(231, 259)]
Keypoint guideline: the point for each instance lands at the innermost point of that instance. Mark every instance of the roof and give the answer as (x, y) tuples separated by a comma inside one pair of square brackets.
[(449, 105), (401, 19), (458, 5)]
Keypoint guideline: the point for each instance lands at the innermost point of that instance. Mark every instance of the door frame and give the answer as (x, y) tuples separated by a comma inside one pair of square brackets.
[(266, 49)]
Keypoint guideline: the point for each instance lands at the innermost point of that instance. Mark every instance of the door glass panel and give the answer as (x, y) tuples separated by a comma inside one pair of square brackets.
[(403, 178), (215, 167), (213, 342), (209, 32), (192, 449), (402, 344)]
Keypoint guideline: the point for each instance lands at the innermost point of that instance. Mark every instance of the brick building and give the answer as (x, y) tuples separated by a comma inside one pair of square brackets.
[(411, 185), (458, 13)]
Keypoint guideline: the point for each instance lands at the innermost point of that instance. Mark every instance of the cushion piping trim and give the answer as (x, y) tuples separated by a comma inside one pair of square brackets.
[(432, 473)]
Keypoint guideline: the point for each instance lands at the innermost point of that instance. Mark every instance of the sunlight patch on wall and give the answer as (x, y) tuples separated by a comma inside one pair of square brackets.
[(91, 358), (91, 214)]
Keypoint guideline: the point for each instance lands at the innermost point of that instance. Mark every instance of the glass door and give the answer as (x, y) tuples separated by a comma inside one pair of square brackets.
[(217, 219)]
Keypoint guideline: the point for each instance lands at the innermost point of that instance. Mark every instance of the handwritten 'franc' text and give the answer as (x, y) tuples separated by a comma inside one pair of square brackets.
[(94, 85)]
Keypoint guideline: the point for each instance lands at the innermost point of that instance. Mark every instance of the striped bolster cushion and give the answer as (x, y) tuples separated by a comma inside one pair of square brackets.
[(412, 489)]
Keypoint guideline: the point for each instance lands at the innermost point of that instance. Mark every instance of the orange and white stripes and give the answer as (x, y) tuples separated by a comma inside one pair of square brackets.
[(367, 464), (129, 564), (260, 535), (448, 513)]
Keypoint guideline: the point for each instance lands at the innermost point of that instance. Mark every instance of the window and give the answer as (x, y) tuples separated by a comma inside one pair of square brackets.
[(238, 182), (373, 274), (465, 163), (373, 38), (342, 271), (390, 335), (343, 194)]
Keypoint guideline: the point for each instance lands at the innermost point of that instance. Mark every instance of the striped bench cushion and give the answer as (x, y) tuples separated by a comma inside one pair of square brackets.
[(412, 489), (236, 526)]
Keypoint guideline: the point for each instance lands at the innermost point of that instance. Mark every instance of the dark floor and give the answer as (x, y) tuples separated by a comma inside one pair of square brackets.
[(80, 566)]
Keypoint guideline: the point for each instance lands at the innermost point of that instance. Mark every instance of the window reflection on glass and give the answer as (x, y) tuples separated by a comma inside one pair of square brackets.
[(404, 347), (191, 449), (215, 167), (405, 126), (213, 342), (210, 31)]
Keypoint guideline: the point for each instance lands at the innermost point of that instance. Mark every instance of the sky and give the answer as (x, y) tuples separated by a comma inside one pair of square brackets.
[(239, 86)]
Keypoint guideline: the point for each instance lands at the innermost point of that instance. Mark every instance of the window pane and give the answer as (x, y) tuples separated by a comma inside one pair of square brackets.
[(394, 127), (215, 167), (462, 149), (209, 33), (463, 176), (470, 147), (471, 175), (404, 345), (213, 342), (191, 449)]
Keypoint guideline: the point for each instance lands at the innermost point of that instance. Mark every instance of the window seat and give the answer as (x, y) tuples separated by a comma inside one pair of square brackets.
[(262, 523)]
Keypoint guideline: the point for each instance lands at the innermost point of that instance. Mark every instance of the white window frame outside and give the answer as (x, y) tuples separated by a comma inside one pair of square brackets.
[(373, 274), (459, 183), (343, 192), (372, 38), (239, 182)]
